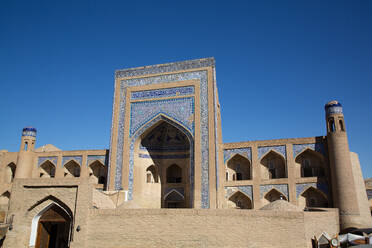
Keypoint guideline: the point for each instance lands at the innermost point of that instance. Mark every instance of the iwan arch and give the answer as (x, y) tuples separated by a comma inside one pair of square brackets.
[(166, 152)]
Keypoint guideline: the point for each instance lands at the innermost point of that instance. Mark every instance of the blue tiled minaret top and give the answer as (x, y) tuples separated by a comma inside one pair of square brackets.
[(333, 107), (29, 131)]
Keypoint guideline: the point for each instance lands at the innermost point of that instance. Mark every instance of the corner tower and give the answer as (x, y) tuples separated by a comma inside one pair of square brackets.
[(26, 153), (344, 174)]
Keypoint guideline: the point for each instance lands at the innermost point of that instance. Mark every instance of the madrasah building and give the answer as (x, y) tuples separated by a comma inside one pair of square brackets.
[(168, 180)]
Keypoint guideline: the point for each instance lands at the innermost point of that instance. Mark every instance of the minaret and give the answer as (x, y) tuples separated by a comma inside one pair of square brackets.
[(26, 153), (343, 174)]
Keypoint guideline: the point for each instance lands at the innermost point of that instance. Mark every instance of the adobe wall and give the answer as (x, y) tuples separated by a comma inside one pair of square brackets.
[(206, 228)]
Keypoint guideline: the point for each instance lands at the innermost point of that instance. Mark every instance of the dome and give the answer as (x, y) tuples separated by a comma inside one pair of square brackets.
[(281, 205), (333, 107), (29, 131), (333, 103)]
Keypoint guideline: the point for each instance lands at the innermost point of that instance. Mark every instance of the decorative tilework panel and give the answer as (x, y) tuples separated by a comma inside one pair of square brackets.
[(369, 194), (262, 150), (65, 159), (180, 109), (318, 147), (245, 152), (246, 189), (334, 110), (162, 68), (92, 158), (131, 154), (159, 93), (301, 187), (283, 188), (159, 156), (199, 75), (43, 159)]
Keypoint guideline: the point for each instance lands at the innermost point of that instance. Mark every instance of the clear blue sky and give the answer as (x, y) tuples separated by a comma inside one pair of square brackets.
[(278, 63)]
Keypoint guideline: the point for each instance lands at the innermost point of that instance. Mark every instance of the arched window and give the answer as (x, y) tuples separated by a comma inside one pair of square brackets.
[(26, 146), (273, 166), (227, 176), (313, 197), (4, 198), (47, 169), (274, 195), (331, 124), (97, 172), (9, 173), (239, 167), (240, 201), (311, 164), (341, 122), (174, 174), (152, 175), (72, 169)]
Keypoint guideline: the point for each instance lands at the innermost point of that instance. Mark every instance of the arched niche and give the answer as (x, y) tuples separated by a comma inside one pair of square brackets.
[(52, 226), (273, 195), (273, 166), (238, 168), (47, 169), (168, 146), (174, 174), (97, 172), (9, 172), (174, 199), (313, 197), (310, 164), (4, 198), (152, 175), (240, 201), (71, 169)]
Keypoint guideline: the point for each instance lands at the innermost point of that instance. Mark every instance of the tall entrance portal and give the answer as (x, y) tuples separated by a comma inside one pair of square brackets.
[(164, 158)]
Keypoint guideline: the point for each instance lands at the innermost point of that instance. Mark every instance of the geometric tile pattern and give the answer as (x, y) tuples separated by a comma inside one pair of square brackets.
[(158, 93), (201, 76), (282, 188), (77, 159), (245, 152), (262, 150), (246, 189), (298, 148), (180, 109), (322, 186), (43, 159), (92, 158), (167, 156)]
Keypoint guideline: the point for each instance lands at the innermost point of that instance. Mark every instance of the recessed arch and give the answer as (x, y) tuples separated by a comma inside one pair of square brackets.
[(310, 164), (9, 172), (4, 198), (54, 213), (47, 169), (273, 165), (313, 197), (240, 200), (174, 174), (238, 168), (174, 199), (72, 169), (97, 172), (274, 195), (152, 174)]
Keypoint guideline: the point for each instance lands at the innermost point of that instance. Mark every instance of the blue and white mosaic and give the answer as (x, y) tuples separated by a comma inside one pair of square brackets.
[(159, 93), (246, 189), (198, 75), (92, 158), (245, 152), (262, 150), (52, 159), (298, 148), (282, 188), (139, 133), (369, 194), (302, 187), (179, 109), (77, 159), (161, 156), (29, 131)]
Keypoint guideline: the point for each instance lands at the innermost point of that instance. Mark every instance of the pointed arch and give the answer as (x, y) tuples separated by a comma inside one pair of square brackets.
[(53, 205), (179, 196), (239, 168), (174, 199), (47, 169), (313, 197), (152, 174), (274, 195), (273, 165), (72, 169), (9, 173), (311, 163), (240, 200), (4, 198), (97, 172), (174, 174)]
